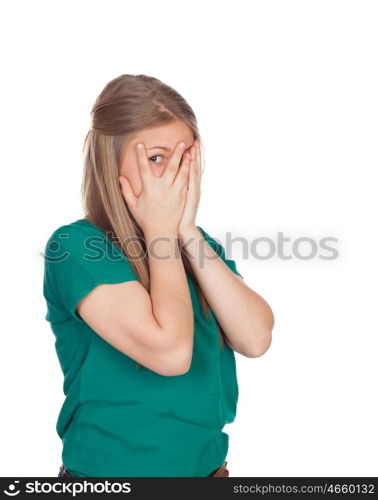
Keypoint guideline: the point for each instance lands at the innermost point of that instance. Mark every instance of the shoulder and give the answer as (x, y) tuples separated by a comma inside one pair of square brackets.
[(204, 233), (80, 242), (76, 235), (216, 245), (77, 228)]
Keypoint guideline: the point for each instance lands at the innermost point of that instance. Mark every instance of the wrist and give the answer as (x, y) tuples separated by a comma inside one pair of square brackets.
[(159, 232), (190, 232)]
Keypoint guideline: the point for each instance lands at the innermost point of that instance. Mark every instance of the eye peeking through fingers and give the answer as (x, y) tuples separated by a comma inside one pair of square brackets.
[(154, 156)]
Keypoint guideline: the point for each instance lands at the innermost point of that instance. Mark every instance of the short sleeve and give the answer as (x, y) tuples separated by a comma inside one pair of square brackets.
[(75, 262), (219, 249)]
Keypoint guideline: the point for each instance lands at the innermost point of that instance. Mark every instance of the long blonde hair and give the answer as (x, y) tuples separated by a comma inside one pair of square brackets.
[(126, 105)]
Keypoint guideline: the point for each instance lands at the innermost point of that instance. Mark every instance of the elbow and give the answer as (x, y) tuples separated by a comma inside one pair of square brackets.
[(178, 363), (259, 347), (176, 370), (260, 341)]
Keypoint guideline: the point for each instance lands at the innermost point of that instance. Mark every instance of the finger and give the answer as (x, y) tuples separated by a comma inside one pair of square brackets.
[(143, 163), (173, 164), (127, 191), (192, 177), (198, 155), (196, 160), (199, 160), (181, 179), (193, 152), (192, 165)]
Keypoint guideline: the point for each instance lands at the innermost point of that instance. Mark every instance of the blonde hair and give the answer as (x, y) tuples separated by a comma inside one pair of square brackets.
[(126, 105)]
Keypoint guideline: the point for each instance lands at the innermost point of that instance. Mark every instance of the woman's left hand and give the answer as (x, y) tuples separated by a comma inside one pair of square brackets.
[(188, 219)]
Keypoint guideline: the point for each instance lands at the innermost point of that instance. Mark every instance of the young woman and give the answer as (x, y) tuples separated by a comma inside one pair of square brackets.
[(146, 309)]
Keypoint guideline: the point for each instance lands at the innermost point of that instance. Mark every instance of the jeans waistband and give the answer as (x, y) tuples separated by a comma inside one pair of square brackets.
[(221, 471)]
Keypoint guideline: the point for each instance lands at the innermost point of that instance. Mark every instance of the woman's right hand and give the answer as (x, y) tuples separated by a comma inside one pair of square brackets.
[(160, 205)]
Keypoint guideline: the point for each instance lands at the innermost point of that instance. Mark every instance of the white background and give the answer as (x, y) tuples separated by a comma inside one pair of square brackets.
[(285, 93)]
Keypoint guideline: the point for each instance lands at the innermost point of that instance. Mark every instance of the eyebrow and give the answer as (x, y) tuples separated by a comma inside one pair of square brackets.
[(164, 148)]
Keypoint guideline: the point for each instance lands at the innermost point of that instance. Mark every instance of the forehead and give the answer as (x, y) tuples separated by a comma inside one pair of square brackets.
[(167, 135)]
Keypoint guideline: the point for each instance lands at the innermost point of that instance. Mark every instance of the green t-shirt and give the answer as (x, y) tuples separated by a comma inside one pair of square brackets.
[(116, 420)]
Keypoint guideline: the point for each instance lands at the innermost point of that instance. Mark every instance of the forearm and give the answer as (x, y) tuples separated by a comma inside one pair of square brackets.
[(245, 317), (169, 290)]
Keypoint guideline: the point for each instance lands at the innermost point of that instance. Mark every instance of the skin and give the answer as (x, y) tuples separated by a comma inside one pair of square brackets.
[(246, 318), (156, 328), (166, 136)]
